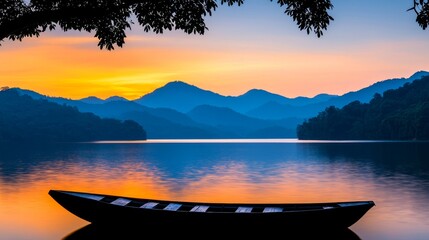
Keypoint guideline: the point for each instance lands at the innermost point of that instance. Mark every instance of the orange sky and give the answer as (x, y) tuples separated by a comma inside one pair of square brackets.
[(231, 58)]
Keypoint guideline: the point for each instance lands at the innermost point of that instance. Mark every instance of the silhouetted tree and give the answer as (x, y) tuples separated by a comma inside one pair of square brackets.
[(421, 8), (110, 18)]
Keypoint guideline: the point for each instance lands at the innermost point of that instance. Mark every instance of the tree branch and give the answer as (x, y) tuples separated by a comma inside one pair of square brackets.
[(110, 18), (28, 22)]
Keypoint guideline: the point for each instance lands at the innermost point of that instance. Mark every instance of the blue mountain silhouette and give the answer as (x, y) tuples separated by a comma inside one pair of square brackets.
[(181, 110), (184, 97), (180, 96), (276, 110)]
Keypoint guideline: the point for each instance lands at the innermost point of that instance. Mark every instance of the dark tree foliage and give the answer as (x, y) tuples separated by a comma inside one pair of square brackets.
[(25, 119), (109, 19), (401, 114), (421, 8)]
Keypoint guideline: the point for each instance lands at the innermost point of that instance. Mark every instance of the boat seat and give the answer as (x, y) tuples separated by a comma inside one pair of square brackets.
[(121, 201), (173, 206), (244, 209), (199, 208), (272, 209), (149, 205), (88, 196)]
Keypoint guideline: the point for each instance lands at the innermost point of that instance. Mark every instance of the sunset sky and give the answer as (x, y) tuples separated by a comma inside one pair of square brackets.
[(252, 46)]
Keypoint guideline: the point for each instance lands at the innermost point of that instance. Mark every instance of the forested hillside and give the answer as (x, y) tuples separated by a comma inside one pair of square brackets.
[(401, 114), (25, 119)]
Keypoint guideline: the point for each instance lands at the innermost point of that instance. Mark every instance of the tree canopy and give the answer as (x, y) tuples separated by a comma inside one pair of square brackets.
[(109, 19), (398, 114), (23, 118)]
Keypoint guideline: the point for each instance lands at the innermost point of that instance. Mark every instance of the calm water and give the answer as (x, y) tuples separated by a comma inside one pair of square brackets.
[(393, 174)]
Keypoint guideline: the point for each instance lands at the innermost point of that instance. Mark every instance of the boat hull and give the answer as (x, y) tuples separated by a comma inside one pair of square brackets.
[(300, 216)]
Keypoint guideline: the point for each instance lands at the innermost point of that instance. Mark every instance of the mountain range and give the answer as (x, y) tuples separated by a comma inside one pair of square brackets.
[(181, 110)]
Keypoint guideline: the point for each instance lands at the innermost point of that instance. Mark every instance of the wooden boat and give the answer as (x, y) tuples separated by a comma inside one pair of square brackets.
[(128, 211)]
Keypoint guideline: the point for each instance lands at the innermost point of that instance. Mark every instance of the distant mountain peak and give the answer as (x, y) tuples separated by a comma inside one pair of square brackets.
[(178, 84), (260, 93), (177, 87), (115, 98), (257, 92), (419, 74), (30, 93), (91, 100), (180, 96), (324, 96), (96, 100)]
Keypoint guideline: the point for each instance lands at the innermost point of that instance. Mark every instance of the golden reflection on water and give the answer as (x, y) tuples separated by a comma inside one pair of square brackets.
[(28, 212), (28, 206)]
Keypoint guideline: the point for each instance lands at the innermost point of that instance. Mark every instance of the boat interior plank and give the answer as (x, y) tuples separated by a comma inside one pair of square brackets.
[(272, 209), (121, 201), (200, 208), (149, 205), (244, 209), (173, 206)]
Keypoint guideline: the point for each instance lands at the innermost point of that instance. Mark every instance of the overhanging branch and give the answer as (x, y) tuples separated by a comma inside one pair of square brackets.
[(33, 20)]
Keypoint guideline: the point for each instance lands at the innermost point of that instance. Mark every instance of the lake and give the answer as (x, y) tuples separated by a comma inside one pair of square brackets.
[(395, 175)]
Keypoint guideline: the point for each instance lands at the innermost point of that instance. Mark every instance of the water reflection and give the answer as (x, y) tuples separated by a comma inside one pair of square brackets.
[(393, 174), (92, 231), (193, 159), (405, 157)]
